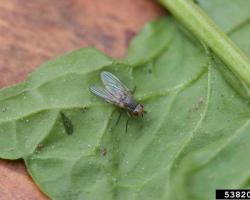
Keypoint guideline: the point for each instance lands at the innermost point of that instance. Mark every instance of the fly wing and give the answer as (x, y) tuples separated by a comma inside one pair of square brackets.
[(115, 86), (105, 94)]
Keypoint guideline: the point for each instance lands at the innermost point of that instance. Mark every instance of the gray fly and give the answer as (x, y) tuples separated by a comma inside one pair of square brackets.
[(115, 92)]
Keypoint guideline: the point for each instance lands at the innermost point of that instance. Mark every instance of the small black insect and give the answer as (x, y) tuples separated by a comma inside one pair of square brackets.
[(115, 92), (67, 124)]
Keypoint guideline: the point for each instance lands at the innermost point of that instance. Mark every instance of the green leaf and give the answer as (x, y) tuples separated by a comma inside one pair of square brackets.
[(206, 30), (193, 139)]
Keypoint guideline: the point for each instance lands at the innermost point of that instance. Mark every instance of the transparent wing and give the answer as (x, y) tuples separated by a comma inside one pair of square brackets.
[(103, 93), (114, 85)]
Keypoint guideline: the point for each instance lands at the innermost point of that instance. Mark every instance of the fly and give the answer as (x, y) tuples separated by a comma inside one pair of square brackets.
[(115, 92)]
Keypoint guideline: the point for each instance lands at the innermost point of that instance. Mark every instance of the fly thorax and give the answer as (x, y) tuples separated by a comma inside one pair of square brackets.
[(130, 103)]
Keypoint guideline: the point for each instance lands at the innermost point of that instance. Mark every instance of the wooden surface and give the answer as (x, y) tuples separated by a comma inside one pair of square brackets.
[(32, 32)]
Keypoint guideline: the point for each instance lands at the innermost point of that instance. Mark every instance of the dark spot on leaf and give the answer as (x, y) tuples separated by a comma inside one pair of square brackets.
[(40, 146), (150, 71), (198, 105), (67, 123), (84, 109), (103, 151)]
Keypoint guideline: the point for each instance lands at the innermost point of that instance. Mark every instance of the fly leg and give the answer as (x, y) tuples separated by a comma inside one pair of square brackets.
[(119, 117), (129, 117), (127, 124), (134, 89)]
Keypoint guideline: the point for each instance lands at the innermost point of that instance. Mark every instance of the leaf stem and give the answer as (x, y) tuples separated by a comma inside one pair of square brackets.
[(197, 21)]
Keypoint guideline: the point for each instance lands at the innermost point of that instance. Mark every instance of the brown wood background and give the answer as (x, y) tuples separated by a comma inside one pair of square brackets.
[(32, 32)]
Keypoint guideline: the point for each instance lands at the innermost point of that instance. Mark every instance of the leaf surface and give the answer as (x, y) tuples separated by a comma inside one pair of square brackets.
[(193, 139)]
